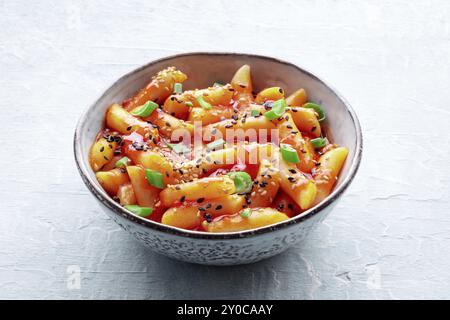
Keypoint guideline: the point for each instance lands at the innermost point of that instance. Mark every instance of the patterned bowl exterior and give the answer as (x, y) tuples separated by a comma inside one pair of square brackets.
[(224, 248)]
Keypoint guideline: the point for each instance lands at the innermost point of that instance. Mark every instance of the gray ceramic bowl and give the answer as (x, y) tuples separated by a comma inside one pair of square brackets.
[(224, 248)]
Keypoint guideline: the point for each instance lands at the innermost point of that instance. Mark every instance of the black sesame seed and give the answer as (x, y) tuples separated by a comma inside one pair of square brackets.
[(129, 128), (290, 206), (292, 171), (182, 199), (200, 200), (102, 149), (219, 207)]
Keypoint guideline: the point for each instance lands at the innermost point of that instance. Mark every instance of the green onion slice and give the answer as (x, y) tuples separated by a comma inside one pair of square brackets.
[(254, 113), (318, 143), (179, 148), (145, 110), (277, 110), (140, 211), (154, 178), (177, 88), (189, 104), (246, 213), (317, 108), (122, 163), (242, 182), (289, 154), (217, 84), (215, 144), (201, 101)]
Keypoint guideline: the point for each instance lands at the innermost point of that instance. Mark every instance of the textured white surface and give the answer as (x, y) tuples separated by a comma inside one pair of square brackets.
[(389, 237)]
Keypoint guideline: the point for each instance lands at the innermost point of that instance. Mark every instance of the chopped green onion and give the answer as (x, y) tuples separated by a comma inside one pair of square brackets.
[(203, 103), (179, 148), (217, 84), (318, 142), (317, 108), (246, 213), (277, 110), (154, 178), (242, 182), (255, 113), (140, 211), (145, 110), (289, 154), (215, 144), (122, 163), (189, 104), (177, 88)]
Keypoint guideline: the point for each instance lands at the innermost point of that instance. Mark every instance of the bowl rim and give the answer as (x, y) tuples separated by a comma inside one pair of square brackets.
[(101, 195)]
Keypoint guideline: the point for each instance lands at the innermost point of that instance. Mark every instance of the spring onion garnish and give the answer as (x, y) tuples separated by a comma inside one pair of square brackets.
[(145, 110), (217, 84), (215, 144), (140, 211), (254, 113), (154, 178), (318, 142), (177, 88), (289, 154), (317, 108), (122, 163), (189, 104), (179, 148), (242, 182), (201, 101), (277, 110), (246, 213)]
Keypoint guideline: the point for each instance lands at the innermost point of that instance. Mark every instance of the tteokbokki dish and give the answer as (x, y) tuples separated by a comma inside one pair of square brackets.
[(218, 159)]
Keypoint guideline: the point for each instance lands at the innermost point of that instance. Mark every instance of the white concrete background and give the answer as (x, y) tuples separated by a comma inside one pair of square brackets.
[(389, 237)]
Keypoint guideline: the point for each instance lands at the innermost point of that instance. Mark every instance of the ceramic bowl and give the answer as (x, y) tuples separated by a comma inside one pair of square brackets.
[(224, 248)]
